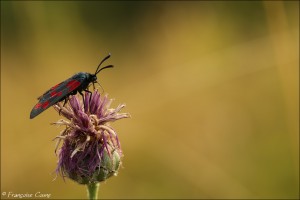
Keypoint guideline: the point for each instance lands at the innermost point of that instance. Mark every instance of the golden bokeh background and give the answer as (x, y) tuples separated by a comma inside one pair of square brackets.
[(212, 88)]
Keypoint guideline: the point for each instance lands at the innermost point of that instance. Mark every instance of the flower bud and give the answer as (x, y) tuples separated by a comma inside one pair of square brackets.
[(109, 167)]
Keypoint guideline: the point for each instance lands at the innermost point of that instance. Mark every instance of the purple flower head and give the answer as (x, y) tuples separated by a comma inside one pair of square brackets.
[(91, 150)]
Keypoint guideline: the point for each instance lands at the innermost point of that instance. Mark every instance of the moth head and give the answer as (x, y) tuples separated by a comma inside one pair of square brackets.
[(94, 76)]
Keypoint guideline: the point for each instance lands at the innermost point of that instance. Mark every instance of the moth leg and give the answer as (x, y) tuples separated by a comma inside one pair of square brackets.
[(100, 86), (65, 101), (90, 93), (80, 92)]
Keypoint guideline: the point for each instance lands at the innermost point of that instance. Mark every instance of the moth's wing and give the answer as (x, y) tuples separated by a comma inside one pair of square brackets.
[(57, 93), (51, 89)]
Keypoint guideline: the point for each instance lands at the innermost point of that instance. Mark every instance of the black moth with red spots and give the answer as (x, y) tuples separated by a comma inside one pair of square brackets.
[(77, 83)]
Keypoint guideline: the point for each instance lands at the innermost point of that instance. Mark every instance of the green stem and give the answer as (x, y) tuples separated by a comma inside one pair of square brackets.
[(92, 189)]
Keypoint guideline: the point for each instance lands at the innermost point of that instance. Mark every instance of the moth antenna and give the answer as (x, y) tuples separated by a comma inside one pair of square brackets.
[(104, 59), (108, 66)]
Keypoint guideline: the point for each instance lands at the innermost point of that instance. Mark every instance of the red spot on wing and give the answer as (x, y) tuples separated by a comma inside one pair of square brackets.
[(42, 105), (56, 94), (45, 104), (73, 84), (38, 105)]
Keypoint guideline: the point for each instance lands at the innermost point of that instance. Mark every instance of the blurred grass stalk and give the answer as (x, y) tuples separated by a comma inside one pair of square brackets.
[(288, 74)]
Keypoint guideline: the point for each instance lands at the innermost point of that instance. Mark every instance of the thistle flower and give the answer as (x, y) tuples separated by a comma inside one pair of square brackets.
[(90, 152)]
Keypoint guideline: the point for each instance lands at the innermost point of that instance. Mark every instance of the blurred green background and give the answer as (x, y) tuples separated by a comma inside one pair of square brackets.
[(212, 88)]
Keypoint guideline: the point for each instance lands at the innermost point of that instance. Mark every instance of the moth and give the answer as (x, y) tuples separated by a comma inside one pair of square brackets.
[(61, 92)]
